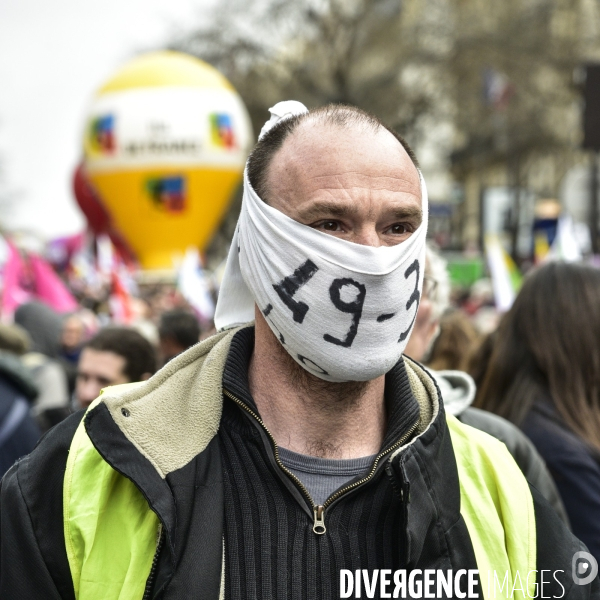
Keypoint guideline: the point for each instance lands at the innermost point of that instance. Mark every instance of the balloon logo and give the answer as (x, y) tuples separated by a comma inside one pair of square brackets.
[(165, 145)]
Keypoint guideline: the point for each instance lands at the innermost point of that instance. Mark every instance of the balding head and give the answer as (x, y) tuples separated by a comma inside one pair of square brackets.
[(341, 171), (338, 116)]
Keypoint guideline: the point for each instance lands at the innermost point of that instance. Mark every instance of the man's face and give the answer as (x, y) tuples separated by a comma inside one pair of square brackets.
[(96, 370), (72, 333), (355, 184)]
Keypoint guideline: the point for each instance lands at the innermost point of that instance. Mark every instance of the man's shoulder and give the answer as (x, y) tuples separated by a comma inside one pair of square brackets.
[(45, 465)]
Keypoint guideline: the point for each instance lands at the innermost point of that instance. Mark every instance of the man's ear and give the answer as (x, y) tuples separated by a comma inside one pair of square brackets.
[(146, 376)]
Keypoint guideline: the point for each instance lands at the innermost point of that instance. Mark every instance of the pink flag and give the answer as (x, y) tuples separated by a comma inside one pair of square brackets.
[(49, 287), (13, 294)]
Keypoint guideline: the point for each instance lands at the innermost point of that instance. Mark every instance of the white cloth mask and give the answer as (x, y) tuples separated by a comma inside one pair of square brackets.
[(343, 311)]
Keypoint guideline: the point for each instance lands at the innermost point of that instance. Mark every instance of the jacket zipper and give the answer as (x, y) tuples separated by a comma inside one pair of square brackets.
[(159, 544), (319, 511)]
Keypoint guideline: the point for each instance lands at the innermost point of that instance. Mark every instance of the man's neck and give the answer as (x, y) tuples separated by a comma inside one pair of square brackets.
[(311, 416)]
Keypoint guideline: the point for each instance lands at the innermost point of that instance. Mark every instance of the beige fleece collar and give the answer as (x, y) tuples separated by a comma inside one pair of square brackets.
[(172, 417)]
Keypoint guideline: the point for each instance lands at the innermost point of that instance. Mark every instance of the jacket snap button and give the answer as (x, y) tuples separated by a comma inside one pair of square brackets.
[(125, 412)]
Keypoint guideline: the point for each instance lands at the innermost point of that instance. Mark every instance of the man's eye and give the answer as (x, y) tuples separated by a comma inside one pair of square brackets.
[(330, 226), (400, 228)]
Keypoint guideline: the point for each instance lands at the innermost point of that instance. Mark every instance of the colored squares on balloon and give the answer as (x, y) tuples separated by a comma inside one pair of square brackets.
[(102, 134), (167, 193), (221, 131)]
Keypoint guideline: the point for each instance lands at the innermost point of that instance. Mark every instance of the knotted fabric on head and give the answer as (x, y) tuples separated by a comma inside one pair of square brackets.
[(343, 311)]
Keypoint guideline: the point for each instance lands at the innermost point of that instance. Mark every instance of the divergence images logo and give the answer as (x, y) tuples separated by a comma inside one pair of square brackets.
[(102, 134), (585, 568), (167, 193), (221, 131)]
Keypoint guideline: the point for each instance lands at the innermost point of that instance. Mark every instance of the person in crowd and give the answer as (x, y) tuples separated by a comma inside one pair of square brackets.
[(297, 441), (544, 375), (479, 359), (179, 330), (113, 356), (18, 431), (44, 328), (142, 322), (72, 338), (458, 388), (455, 342), (15, 340)]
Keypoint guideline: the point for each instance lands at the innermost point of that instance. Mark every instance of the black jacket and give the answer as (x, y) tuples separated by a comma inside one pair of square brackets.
[(189, 502), (18, 431), (575, 467)]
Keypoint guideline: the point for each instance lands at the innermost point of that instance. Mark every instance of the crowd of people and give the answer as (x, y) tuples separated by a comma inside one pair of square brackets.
[(290, 425), (52, 365), (533, 382)]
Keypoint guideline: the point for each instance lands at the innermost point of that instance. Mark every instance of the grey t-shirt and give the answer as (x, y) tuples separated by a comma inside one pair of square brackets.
[(323, 476)]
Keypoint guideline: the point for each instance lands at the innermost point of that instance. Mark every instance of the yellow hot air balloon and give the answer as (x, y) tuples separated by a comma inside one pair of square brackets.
[(164, 148)]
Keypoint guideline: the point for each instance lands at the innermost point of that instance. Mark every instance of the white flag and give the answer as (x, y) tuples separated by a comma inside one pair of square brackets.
[(194, 286), (504, 273), (566, 245)]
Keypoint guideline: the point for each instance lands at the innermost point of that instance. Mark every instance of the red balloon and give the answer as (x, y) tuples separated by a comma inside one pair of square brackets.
[(98, 218)]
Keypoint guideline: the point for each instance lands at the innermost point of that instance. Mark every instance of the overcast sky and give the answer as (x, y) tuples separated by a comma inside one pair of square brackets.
[(53, 56)]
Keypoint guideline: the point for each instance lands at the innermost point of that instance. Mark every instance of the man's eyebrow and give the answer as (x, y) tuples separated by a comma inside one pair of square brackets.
[(408, 213), (325, 208)]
